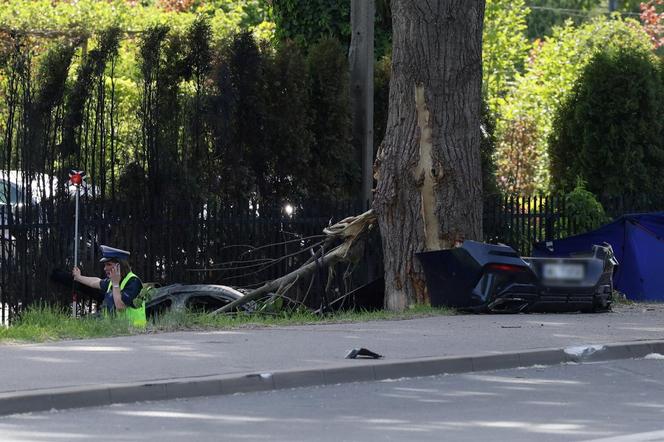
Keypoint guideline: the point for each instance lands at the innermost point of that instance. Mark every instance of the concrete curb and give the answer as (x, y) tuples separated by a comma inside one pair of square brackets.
[(366, 370)]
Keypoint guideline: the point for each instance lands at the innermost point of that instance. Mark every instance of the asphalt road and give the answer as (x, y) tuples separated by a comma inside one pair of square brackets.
[(150, 357), (613, 401)]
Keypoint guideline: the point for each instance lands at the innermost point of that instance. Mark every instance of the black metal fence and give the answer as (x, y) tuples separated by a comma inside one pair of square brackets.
[(178, 243), (213, 243), (521, 221)]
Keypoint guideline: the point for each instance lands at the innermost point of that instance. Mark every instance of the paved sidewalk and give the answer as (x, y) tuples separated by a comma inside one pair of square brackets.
[(159, 366)]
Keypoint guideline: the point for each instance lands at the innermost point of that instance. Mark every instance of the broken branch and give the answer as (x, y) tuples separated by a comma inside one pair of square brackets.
[(349, 230)]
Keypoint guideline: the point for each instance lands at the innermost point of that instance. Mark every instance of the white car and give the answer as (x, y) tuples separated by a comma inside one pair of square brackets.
[(13, 198)]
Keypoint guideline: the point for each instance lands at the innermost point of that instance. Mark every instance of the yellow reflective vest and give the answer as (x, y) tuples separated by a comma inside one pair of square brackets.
[(136, 316)]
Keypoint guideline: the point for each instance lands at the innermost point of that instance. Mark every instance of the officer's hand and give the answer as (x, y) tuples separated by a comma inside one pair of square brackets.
[(76, 273), (115, 274)]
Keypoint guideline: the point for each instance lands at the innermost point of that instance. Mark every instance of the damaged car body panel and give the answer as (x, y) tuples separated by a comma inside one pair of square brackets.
[(482, 277), (199, 297)]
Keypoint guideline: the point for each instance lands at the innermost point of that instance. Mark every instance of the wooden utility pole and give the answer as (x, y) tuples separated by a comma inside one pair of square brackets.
[(361, 61)]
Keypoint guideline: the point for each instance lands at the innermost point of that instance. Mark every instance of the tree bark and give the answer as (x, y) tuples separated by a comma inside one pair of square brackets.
[(429, 191)]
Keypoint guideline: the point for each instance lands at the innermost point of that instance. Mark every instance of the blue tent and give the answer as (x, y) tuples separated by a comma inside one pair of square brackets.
[(638, 243)]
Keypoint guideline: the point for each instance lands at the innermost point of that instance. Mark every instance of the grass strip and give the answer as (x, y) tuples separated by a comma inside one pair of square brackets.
[(41, 323)]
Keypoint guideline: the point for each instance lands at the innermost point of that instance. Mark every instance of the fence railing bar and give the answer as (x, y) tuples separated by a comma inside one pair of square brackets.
[(166, 251)]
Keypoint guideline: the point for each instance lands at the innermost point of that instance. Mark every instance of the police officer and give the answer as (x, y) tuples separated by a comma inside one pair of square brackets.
[(120, 287)]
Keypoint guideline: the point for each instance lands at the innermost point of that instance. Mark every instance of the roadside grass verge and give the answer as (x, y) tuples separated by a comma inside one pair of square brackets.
[(44, 323), (619, 298), (173, 321), (40, 323)]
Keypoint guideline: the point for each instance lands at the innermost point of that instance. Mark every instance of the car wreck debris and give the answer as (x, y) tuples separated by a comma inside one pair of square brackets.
[(180, 297), (481, 277), (362, 353)]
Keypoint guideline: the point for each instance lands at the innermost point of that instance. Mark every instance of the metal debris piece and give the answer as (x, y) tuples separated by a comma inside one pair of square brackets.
[(362, 353)]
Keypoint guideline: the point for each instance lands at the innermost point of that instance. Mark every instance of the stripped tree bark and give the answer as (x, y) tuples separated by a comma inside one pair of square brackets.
[(429, 191)]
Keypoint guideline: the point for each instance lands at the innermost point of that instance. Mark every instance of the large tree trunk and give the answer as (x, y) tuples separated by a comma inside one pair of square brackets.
[(429, 192)]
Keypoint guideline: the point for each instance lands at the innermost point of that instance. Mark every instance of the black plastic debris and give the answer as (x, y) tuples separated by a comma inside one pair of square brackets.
[(482, 277), (362, 353)]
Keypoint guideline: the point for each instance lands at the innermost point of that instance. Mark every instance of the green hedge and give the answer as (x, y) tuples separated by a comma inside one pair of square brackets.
[(610, 131)]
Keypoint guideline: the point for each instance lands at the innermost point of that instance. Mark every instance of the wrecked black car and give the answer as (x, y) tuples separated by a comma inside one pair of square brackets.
[(197, 297), (174, 297), (480, 277)]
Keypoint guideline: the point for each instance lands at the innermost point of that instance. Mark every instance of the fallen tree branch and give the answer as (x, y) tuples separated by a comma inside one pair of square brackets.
[(350, 230), (279, 282)]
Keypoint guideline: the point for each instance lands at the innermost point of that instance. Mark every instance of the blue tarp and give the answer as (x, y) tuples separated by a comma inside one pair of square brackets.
[(638, 243)]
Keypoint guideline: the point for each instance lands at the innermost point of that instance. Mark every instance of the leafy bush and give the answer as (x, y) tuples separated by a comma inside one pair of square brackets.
[(174, 116), (546, 14), (610, 131), (84, 16), (504, 48), (334, 170), (89, 76), (652, 17), (517, 160), (308, 21), (554, 66), (283, 165), (584, 211)]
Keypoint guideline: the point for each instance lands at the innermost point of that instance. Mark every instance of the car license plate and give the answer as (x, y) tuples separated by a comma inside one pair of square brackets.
[(563, 271)]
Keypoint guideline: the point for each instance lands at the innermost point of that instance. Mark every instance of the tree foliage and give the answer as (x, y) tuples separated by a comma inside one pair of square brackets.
[(547, 14), (584, 211), (652, 18), (333, 169), (518, 157), (90, 70), (307, 21), (51, 84), (231, 60), (198, 64), (288, 125), (86, 16), (550, 73), (610, 131), (152, 104), (504, 49)]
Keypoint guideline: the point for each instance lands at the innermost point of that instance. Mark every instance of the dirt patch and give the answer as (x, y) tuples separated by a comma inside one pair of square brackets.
[(638, 307)]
